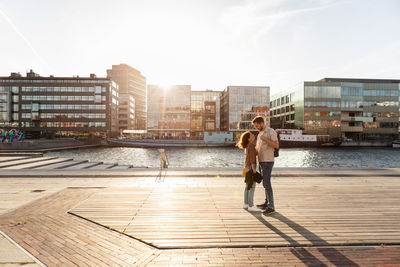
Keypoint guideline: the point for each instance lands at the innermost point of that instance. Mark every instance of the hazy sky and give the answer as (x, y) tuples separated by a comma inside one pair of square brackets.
[(208, 44)]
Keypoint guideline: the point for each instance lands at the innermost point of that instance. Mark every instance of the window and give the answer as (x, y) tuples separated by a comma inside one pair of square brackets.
[(35, 115), (26, 115), (35, 106), (97, 98)]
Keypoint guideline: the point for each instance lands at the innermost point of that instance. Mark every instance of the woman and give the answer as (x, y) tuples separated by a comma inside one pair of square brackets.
[(246, 142)]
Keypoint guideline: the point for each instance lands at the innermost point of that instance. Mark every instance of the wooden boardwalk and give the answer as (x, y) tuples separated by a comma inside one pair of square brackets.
[(198, 213), (322, 211)]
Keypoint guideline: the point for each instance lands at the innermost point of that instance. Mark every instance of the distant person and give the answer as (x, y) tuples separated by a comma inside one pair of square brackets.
[(267, 141), (3, 135), (246, 142), (21, 136), (10, 135)]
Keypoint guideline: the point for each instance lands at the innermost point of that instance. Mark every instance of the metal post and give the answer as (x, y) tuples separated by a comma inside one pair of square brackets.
[(163, 165)]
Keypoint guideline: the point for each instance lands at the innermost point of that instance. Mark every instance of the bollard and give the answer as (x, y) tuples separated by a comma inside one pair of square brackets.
[(163, 159)]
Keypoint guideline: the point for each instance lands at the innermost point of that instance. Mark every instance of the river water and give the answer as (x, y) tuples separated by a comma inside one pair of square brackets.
[(233, 157)]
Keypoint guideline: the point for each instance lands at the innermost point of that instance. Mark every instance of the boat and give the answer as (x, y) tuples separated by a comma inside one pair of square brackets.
[(163, 143), (295, 138), (396, 144)]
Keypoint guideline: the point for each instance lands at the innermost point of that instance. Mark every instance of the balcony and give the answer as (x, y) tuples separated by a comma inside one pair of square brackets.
[(352, 109), (393, 131), (352, 129), (363, 119)]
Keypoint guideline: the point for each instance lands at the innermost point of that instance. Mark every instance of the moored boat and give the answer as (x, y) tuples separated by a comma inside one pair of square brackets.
[(396, 144), (161, 143), (296, 138)]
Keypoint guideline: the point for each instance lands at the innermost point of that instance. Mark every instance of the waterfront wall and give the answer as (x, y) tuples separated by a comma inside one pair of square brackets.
[(43, 144), (367, 144)]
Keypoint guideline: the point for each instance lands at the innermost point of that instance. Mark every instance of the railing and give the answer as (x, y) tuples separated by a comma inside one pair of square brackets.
[(364, 119)]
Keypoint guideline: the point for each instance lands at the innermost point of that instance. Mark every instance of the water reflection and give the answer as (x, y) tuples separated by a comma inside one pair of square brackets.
[(233, 157)]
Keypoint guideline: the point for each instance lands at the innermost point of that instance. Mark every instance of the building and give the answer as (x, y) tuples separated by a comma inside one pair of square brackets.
[(168, 114), (126, 112), (132, 84), (205, 112), (282, 111), (59, 105), (356, 109), (240, 104)]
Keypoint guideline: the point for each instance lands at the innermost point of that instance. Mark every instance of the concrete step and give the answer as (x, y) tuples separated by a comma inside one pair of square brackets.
[(102, 166), (84, 165), (62, 165), (24, 161), (38, 164), (20, 154), (12, 158), (121, 167)]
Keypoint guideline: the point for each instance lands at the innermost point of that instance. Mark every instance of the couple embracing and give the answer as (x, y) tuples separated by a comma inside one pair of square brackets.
[(267, 141)]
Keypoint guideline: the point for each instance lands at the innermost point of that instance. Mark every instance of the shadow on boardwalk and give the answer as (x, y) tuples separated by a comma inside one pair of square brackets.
[(331, 254)]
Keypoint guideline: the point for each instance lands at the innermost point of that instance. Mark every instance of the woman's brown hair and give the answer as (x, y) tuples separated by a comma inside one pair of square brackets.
[(243, 140)]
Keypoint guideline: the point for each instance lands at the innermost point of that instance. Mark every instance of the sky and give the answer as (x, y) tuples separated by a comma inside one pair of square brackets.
[(208, 44)]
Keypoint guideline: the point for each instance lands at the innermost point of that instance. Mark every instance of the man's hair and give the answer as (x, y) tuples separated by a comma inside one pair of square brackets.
[(258, 119)]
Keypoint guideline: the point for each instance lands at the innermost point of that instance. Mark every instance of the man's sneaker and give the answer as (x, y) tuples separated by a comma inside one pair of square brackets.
[(269, 211), (245, 206), (262, 206), (254, 208)]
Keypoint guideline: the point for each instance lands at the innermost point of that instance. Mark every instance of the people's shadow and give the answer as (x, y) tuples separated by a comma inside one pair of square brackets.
[(334, 256)]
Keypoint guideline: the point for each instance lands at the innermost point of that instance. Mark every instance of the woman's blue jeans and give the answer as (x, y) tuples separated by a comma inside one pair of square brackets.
[(249, 194)]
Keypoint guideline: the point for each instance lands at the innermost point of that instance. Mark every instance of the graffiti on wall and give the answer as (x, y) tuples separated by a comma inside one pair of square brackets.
[(13, 135)]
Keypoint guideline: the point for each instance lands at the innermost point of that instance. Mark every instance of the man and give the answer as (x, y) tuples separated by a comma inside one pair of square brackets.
[(267, 140)]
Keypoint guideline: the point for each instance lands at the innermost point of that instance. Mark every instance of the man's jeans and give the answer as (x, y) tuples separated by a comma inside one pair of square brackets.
[(266, 169)]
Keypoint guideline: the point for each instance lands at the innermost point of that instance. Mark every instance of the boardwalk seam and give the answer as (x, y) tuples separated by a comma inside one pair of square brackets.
[(22, 249), (114, 230), (149, 257), (133, 217)]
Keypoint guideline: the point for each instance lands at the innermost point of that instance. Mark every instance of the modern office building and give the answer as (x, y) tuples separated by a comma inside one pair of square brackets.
[(59, 105), (356, 109), (205, 112), (131, 84), (168, 113), (240, 104), (126, 112), (282, 111)]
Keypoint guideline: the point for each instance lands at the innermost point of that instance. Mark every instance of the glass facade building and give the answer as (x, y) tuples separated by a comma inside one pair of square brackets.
[(282, 111), (356, 109), (169, 110), (240, 104), (205, 112), (59, 105), (132, 84)]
